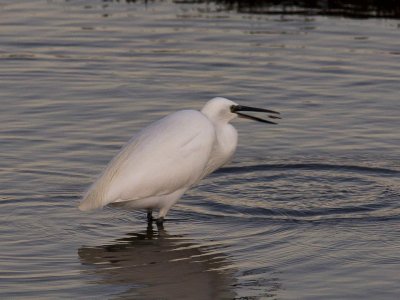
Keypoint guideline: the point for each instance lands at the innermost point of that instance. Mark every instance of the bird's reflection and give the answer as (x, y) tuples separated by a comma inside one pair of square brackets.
[(156, 265)]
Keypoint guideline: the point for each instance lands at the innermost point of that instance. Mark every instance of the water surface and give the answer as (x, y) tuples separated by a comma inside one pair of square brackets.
[(308, 209)]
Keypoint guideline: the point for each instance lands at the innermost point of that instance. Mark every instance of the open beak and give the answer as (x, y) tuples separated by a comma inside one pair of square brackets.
[(237, 108)]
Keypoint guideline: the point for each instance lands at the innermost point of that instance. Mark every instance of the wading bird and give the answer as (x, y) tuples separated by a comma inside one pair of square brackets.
[(165, 159)]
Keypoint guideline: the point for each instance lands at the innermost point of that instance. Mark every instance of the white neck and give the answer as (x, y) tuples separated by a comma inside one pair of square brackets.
[(224, 147)]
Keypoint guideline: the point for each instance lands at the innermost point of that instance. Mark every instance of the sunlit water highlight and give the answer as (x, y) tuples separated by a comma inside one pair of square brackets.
[(308, 209)]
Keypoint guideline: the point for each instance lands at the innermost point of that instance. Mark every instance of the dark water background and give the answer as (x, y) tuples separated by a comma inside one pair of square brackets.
[(308, 209)]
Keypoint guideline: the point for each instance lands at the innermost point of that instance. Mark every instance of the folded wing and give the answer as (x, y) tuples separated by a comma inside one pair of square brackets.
[(170, 154)]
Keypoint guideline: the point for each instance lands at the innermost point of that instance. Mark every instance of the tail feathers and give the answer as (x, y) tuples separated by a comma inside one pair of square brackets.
[(92, 200)]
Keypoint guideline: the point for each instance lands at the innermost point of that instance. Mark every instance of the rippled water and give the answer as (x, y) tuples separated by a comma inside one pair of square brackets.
[(308, 209)]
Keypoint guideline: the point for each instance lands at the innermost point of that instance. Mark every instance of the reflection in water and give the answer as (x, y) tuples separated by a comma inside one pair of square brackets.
[(347, 8), (156, 265)]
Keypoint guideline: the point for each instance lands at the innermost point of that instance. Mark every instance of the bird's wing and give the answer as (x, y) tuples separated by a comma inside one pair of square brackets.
[(170, 154)]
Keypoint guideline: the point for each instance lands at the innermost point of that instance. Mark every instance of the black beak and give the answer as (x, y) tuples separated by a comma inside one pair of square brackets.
[(273, 114)]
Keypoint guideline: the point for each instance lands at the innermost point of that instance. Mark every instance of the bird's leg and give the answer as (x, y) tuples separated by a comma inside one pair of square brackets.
[(160, 223), (149, 230), (149, 216)]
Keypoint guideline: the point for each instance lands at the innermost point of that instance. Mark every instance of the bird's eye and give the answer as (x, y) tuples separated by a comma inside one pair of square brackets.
[(233, 108)]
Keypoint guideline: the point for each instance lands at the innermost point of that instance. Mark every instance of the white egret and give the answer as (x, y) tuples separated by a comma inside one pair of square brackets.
[(165, 159)]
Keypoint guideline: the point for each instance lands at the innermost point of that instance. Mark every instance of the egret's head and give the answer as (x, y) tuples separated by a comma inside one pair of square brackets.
[(219, 109), (225, 110)]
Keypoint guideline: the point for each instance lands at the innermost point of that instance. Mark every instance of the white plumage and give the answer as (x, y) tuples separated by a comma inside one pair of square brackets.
[(165, 159)]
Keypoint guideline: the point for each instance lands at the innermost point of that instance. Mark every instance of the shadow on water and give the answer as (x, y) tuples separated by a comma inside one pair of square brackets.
[(155, 265)]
